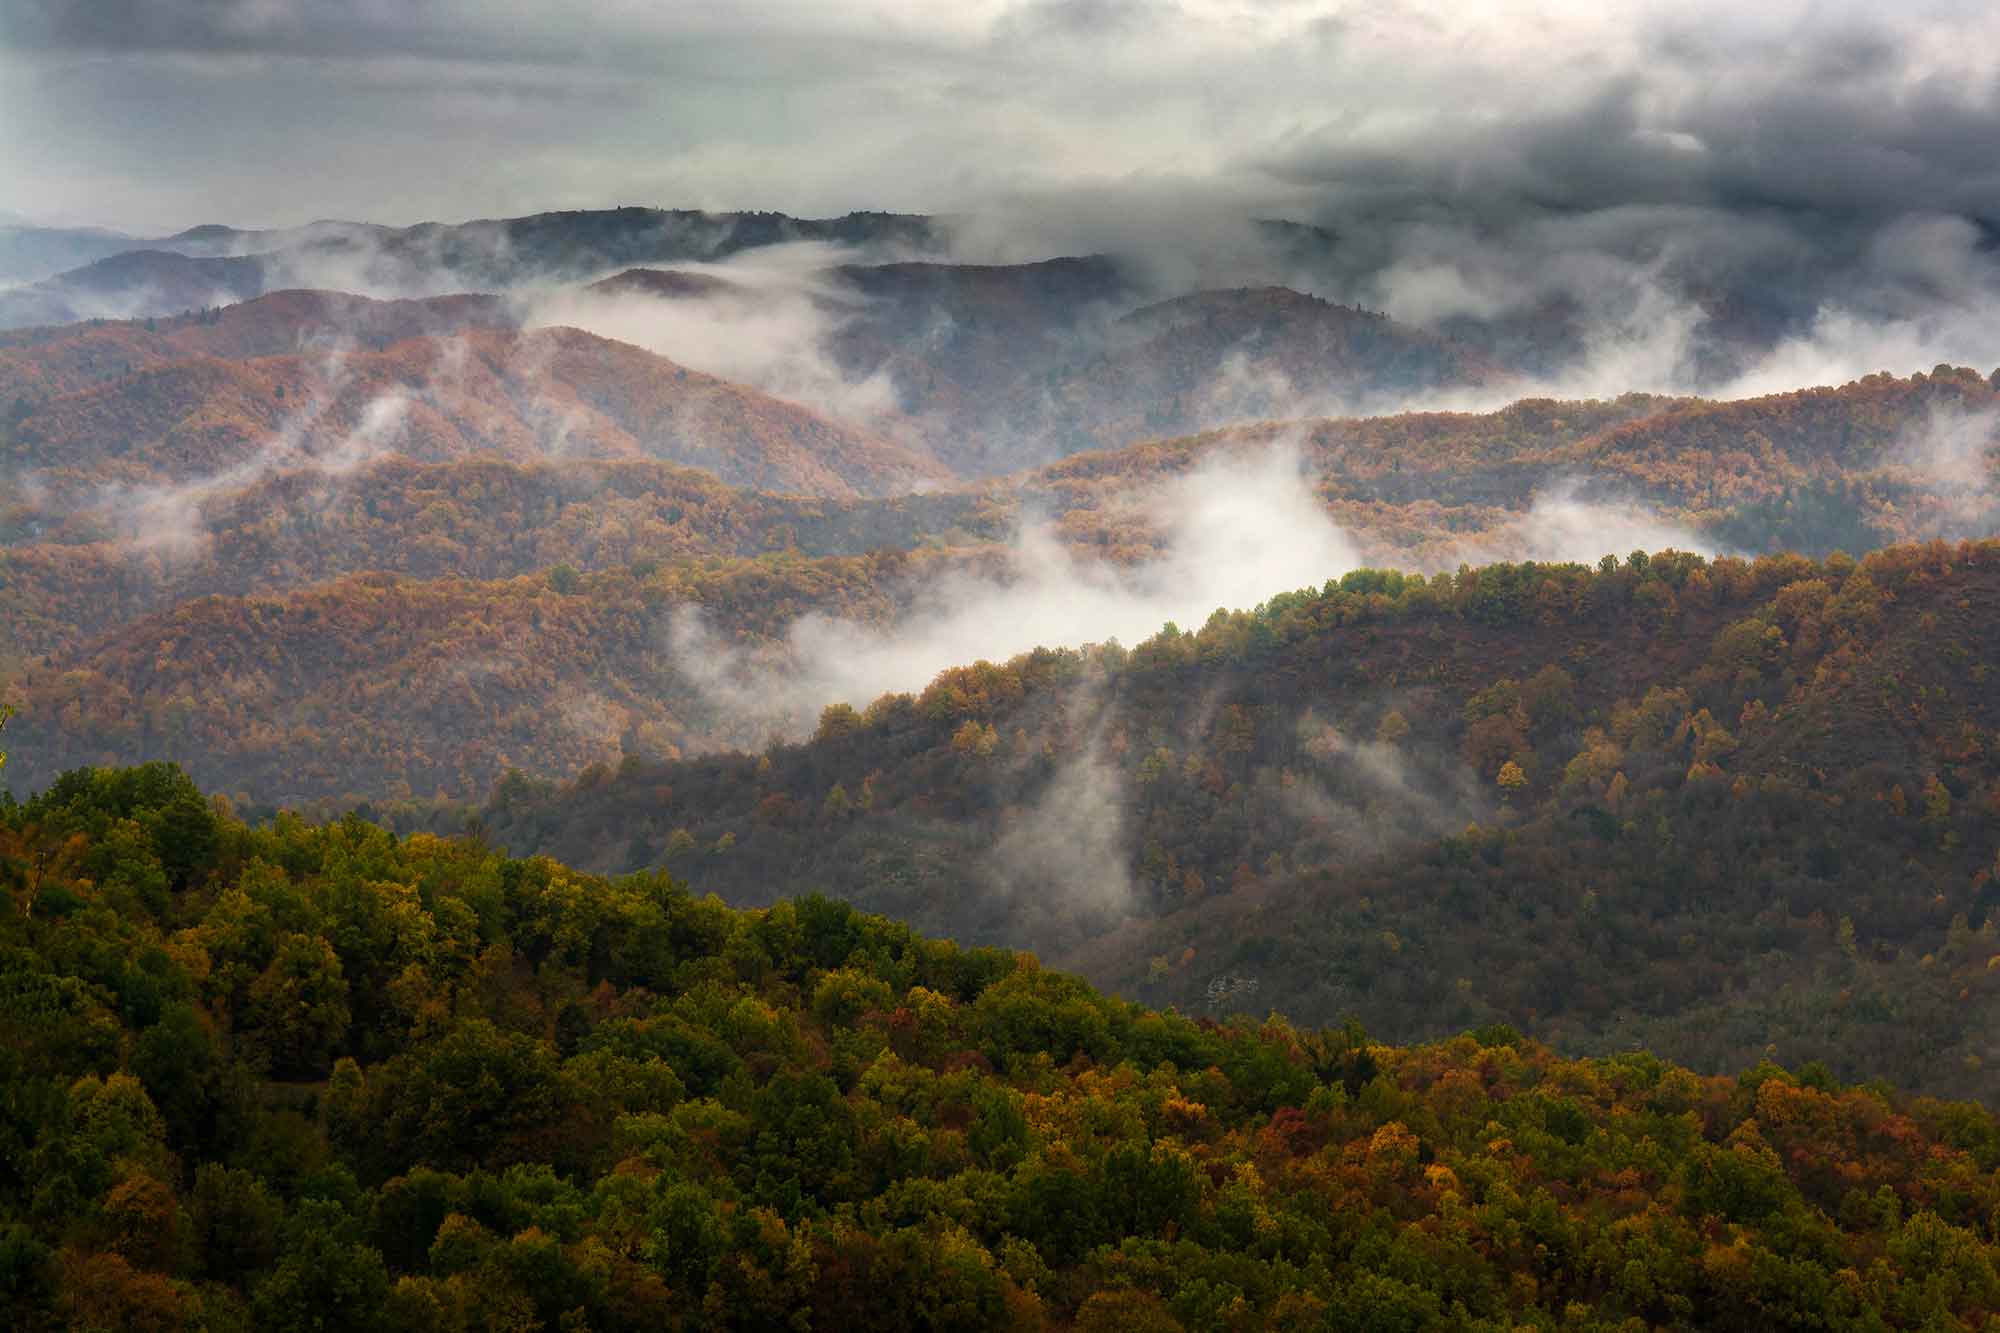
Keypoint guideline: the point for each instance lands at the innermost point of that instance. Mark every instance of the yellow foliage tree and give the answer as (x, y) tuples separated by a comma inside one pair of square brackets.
[(837, 720), (975, 738), (1392, 728)]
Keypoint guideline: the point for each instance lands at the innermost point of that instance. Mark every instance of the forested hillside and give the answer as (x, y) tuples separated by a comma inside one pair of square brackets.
[(41, 363), (105, 590), (317, 1076), (458, 680), (212, 424), (1709, 805), (1881, 460)]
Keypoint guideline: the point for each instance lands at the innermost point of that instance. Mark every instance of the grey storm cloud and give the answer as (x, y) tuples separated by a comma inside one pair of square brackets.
[(1476, 113), (1746, 138), (345, 29), (1784, 160)]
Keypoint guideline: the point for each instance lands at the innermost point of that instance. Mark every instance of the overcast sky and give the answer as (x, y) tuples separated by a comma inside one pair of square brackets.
[(153, 114)]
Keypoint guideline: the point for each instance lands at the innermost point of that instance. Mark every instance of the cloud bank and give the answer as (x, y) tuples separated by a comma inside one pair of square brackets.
[(763, 317), (1237, 530)]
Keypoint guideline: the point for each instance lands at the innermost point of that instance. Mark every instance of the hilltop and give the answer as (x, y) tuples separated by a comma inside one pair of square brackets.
[(482, 392)]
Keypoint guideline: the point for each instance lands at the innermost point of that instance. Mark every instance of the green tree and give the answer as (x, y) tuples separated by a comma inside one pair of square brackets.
[(805, 1150), (327, 1279), (837, 720), (298, 1007), (471, 1097), (182, 1066), (236, 1223)]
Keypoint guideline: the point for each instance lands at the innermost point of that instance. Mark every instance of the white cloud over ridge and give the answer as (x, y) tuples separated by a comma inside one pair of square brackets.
[(1235, 530)]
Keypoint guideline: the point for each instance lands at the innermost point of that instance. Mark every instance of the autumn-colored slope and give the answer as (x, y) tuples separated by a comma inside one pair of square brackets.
[(548, 394), (45, 362), (474, 518), (1881, 459), (1427, 491), (1894, 430), (1818, 469), (374, 686)]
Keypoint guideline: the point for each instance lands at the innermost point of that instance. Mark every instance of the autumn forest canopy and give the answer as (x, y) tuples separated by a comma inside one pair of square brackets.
[(316, 1075), (1350, 688)]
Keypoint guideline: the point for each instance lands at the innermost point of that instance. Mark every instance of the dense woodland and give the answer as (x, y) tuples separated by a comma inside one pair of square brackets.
[(299, 1075), (1710, 806)]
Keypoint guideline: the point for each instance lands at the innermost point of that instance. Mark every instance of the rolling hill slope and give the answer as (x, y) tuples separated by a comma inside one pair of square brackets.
[(482, 392), (303, 1073), (1587, 803), (46, 362), (1428, 492), (375, 686)]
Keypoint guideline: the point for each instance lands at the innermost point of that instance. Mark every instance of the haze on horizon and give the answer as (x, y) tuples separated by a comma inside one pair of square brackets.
[(151, 115)]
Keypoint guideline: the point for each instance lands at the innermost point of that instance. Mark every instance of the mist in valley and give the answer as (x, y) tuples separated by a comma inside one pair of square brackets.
[(1046, 664)]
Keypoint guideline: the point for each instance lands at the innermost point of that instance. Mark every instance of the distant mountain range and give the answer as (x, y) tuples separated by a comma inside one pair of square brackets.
[(29, 253), (119, 277), (119, 544)]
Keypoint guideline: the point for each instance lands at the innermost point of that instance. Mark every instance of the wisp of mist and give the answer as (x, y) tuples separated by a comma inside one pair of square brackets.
[(1238, 528)]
